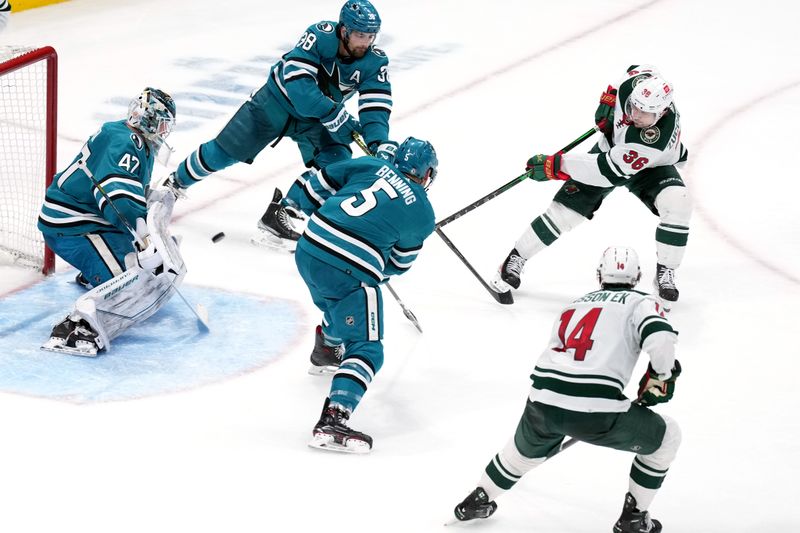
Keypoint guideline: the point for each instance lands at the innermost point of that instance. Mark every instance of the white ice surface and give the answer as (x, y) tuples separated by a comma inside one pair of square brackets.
[(506, 79)]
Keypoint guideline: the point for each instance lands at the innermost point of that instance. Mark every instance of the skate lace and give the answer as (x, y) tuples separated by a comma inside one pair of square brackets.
[(284, 220), (515, 264), (666, 278), (338, 351)]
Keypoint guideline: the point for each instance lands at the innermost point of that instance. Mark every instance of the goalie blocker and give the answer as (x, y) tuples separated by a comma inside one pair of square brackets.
[(106, 311)]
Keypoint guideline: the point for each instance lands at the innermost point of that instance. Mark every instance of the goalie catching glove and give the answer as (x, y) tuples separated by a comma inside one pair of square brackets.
[(543, 167), (654, 389)]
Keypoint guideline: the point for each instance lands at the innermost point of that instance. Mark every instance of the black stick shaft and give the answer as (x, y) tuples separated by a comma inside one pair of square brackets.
[(516, 181)]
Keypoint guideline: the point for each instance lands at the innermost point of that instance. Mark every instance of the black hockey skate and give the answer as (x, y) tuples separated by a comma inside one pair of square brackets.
[(632, 520), (275, 225), (331, 432), (83, 282), (74, 338), (324, 359), (476, 505), (510, 271), (664, 282)]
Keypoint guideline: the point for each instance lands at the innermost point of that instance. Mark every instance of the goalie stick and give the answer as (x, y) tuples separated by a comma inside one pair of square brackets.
[(406, 311), (199, 311), (502, 297)]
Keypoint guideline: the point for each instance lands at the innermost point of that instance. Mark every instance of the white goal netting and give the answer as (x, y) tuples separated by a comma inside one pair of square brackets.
[(27, 151)]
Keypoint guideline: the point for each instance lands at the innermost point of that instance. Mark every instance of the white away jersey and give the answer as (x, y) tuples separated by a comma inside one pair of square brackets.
[(631, 149), (593, 350)]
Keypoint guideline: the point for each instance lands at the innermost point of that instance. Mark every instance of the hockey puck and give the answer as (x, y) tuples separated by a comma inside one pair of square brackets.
[(218, 237)]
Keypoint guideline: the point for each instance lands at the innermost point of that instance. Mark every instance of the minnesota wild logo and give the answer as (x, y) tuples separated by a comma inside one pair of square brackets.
[(650, 135)]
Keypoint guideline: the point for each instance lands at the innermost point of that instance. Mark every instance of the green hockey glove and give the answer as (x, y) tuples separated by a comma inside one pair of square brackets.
[(546, 167), (654, 390), (604, 116)]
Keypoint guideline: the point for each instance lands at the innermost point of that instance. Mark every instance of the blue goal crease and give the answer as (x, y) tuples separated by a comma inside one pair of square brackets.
[(164, 354)]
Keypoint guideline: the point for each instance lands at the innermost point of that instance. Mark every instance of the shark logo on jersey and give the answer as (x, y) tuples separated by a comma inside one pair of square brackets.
[(333, 76), (650, 135), (325, 27), (349, 320)]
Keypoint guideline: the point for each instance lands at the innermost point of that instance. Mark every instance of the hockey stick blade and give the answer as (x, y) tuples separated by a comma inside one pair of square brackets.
[(406, 311), (199, 311), (504, 298)]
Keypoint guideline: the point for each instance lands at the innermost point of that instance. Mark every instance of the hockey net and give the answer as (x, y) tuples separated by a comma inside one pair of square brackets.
[(28, 81)]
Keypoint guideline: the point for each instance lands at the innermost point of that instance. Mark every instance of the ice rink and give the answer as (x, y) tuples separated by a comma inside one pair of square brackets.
[(200, 440)]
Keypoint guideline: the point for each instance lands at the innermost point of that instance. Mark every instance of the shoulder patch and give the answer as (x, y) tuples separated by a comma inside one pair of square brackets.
[(326, 27), (378, 52), (137, 141), (650, 135)]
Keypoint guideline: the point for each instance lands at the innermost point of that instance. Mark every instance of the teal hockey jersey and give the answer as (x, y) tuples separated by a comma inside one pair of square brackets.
[(119, 160), (371, 222), (311, 79)]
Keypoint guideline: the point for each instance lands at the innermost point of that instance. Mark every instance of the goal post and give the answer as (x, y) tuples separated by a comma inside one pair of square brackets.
[(28, 100)]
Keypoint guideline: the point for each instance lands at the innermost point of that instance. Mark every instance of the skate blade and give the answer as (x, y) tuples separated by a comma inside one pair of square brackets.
[(322, 441), (57, 346), (327, 370), (265, 239)]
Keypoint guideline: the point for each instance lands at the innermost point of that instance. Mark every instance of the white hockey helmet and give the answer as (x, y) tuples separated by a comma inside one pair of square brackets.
[(653, 94), (619, 265)]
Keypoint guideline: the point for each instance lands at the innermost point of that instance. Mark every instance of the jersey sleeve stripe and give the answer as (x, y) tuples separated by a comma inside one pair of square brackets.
[(610, 170), (375, 106), (382, 94), (654, 327)]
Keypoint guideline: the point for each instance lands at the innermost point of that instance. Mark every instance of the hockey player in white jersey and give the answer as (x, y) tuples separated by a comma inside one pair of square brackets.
[(639, 150), (577, 391)]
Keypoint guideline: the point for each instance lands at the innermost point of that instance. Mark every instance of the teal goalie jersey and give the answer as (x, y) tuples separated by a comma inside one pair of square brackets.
[(116, 159)]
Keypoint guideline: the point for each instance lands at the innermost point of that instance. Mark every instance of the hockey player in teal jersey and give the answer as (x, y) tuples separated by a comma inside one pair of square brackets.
[(368, 220), (304, 100), (76, 219), (640, 149), (97, 208), (577, 391)]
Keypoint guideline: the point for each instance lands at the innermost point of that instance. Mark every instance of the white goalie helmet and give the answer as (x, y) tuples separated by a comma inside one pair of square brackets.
[(651, 95), (619, 265)]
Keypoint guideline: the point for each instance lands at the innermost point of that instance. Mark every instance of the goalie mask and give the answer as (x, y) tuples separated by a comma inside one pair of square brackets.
[(649, 101), (619, 265), (417, 159), (152, 113)]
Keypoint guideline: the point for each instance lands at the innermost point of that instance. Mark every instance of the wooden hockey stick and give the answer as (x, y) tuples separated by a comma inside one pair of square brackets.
[(406, 311)]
